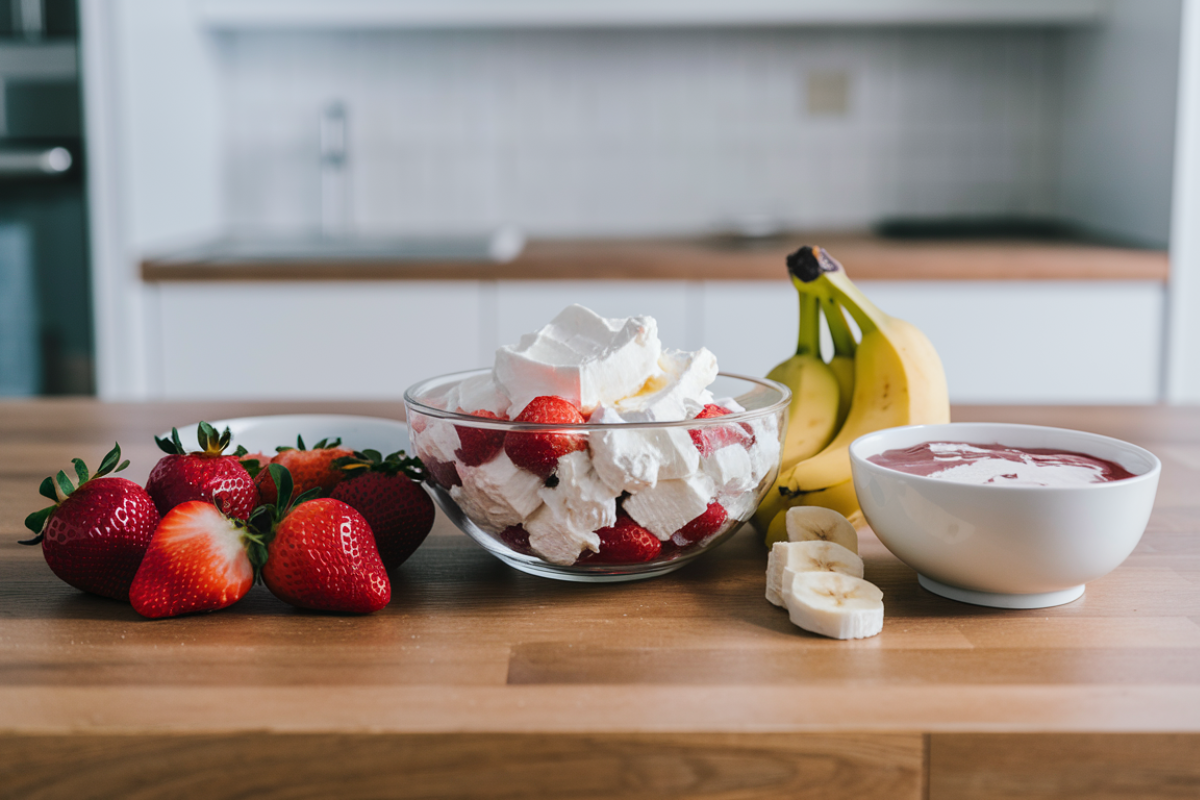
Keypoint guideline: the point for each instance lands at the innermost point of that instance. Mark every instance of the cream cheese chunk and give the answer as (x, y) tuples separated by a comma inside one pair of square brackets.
[(582, 357)]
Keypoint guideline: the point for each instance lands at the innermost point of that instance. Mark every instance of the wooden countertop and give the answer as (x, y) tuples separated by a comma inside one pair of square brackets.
[(479, 681), (865, 258)]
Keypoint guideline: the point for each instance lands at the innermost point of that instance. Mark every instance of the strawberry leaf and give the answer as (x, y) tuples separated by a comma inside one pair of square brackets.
[(171, 446), (111, 458), (300, 442), (64, 484), (311, 494), (46, 490), (81, 470), (283, 484), (252, 466), (241, 451), (36, 522), (124, 464)]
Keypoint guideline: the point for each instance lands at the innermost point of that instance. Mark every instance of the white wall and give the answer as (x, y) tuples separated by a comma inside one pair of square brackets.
[(641, 131), (1118, 133)]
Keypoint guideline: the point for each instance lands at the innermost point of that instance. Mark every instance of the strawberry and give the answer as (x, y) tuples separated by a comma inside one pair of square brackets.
[(539, 452), (321, 553), (626, 542), (478, 445), (309, 468), (703, 526), (517, 538), (443, 473), (388, 493), (714, 437), (199, 560), (207, 475), (95, 535)]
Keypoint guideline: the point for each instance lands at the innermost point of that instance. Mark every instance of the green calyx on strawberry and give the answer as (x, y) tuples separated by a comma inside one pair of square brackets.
[(95, 535), (321, 552), (388, 494), (59, 488), (207, 474)]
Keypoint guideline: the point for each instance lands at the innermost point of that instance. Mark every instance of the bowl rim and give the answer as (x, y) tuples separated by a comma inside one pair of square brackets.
[(1151, 474), (414, 405)]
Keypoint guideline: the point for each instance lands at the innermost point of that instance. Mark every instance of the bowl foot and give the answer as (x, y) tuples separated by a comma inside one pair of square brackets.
[(599, 576), (999, 600)]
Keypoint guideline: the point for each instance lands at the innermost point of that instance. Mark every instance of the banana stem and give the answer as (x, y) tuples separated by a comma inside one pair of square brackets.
[(809, 342), (839, 329)]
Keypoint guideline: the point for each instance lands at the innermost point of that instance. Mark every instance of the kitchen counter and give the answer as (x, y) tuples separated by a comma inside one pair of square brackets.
[(866, 257), (481, 681)]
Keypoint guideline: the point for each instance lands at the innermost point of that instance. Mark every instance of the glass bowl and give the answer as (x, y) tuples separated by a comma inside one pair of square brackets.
[(667, 476)]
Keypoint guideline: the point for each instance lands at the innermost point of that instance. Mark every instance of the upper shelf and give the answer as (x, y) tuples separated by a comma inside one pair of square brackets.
[(348, 14)]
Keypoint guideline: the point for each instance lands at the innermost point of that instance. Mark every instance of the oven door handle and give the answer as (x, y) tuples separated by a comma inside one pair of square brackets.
[(34, 163)]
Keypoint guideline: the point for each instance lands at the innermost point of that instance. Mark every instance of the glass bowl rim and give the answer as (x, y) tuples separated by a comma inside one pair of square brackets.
[(781, 404)]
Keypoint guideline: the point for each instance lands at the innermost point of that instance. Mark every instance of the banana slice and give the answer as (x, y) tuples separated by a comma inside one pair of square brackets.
[(808, 523), (788, 558), (834, 605)]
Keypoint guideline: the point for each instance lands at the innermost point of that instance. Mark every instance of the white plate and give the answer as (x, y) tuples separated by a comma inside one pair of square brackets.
[(264, 434)]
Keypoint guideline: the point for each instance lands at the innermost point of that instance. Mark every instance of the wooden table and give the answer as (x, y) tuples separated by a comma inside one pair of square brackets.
[(479, 681)]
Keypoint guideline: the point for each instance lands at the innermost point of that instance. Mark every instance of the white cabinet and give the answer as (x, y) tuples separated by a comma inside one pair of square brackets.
[(276, 340), (1001, 342)]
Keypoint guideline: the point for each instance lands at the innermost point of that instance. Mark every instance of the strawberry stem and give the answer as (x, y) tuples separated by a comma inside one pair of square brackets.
[(397, 463)]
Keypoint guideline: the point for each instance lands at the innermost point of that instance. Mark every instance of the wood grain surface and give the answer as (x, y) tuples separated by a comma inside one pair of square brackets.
[(481, 681), (865, 257)]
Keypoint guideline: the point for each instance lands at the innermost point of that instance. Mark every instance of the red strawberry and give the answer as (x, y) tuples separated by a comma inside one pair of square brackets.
[(443, 473), (207, 475), (539, 452), (703, 526), (388, 493), (321, 553), (517, 538), (714, 437), (626, 542), (95, 535), (478, 445), (199, 560), (309, 468)]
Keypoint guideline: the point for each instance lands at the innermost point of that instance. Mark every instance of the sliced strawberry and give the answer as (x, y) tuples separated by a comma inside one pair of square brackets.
[(321, 553), (206, 474), (539, 452), (478, 445), (714, 437), (199, 560), (309, 468), (702, 527), (95, 535), (626, 542), (388, 493), (517, 538)]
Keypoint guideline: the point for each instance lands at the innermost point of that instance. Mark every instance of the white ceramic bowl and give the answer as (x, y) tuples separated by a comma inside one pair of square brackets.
[(1005, 546)]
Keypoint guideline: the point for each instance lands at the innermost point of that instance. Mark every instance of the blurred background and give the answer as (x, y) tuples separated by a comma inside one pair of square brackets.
[(324, 198)]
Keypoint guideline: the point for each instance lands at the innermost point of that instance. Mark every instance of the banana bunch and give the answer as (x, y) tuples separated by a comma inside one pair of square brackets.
[(891, 376)]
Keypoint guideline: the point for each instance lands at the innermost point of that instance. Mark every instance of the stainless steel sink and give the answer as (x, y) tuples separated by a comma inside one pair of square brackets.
[(500, 246)]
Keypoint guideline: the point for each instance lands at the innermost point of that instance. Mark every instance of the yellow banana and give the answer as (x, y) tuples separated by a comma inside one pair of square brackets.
[(842, 362), (898, 377), (812, 414), (841, 498)]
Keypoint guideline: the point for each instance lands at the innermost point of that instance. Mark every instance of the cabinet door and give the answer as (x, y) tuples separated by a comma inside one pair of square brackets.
[(1001, 342), (368, 340)]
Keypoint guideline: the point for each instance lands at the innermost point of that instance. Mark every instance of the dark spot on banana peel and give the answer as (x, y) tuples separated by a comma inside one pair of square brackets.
[(809, 263)]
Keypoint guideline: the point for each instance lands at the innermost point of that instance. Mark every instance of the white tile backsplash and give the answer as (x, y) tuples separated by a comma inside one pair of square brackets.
[(641, 131)]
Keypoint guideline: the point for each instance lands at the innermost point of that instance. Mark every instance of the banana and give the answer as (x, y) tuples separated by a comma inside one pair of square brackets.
[(834, 605), (842, 362), (898, 377), (812, 414), (819, 524), (787, 558)]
